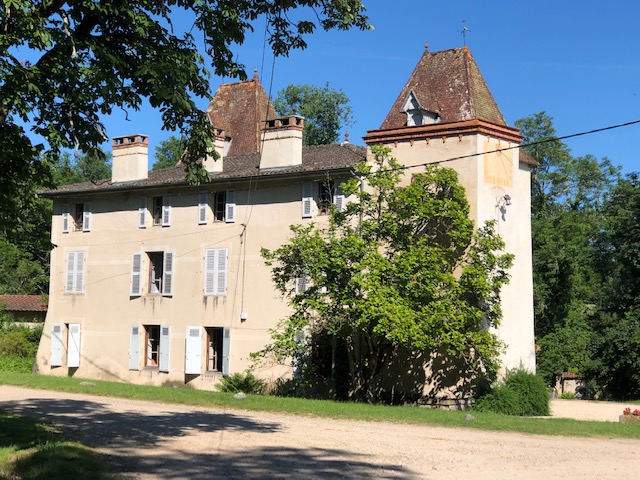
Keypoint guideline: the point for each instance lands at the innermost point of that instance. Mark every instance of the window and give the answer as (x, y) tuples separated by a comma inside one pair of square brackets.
[(156, 352), (75, 273), (160, 269), (162, 210), (214, 348), (203, 208), (329, 195), (215, 272), (302, 284), (225, 206), (76, 217)]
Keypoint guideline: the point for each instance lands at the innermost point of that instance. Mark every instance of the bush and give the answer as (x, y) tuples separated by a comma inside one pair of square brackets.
[(520, 393), (567, 396), (17, 342), (242, 382)]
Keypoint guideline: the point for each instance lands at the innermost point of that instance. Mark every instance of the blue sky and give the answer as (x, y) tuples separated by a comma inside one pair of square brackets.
[(577, 60)]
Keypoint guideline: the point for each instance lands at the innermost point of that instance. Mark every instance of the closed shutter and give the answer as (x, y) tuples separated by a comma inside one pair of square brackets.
[(79, 286), (166, 210), (167, 275), (65, 218), (193, 351), (75, 272), (226, 354), (56, 345), (203, 210), (230, 207), (86, 218), (134, 348), (302, 284), (215, 271), (136, 276), (142, 213), (71, 263), (338, 200), (307, 200), (73, 346), (164, 348)]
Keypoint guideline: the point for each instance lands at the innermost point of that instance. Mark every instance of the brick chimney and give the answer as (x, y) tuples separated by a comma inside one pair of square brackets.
[(221, 144), (282, 142), (130, 158)]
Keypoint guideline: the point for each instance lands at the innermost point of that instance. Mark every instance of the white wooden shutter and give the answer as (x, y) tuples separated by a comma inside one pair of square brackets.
[(302, 284), (135, 284), (203, 210), (164, 348), (56, 345), (71, 263), (226, 354), (307, 200), (167, 275), (75, 272), (73, 345), (134, 348), (215, 271), (86, 218), (65, 218), (79, 284), (193, 351), (338, 199), (142, 213), (166, 210), (230, 207)]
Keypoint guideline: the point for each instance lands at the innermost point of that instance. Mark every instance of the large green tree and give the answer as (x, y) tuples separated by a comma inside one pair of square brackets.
[(400, 273), (326, 111), (168, 153), (64, 64)]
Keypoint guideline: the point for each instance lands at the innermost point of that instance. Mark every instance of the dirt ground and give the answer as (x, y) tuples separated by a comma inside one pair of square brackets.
[(144, 440)]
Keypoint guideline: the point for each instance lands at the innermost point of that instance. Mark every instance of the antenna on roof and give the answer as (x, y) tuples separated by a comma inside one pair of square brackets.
[(464, 32)]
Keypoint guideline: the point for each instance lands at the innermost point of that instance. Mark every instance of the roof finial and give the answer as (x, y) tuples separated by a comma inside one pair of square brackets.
[(346, 137), (426, 46), (255, 73), (464, 32)]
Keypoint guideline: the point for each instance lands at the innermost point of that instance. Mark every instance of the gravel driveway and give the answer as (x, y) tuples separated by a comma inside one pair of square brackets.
[(146, 440)]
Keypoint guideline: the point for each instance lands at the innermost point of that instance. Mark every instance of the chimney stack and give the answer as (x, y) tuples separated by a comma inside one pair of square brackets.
[(221, 144), (130, 158), (282, 142)]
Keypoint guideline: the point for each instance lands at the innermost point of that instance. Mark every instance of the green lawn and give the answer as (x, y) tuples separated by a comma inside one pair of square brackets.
[(324, 408)]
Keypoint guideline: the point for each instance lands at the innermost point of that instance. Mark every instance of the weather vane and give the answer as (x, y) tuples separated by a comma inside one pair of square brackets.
[(464, 32)]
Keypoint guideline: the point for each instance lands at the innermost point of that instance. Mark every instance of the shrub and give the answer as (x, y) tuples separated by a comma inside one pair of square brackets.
[(520, 393), (568, 396), (500, 400), (242, 382), (16, 342)]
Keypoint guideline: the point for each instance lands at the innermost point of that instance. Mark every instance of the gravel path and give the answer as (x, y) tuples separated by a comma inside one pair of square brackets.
[(146, 440)]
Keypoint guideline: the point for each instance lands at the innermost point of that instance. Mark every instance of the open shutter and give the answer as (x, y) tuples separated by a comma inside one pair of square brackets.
[(164, 348), (86, 218), (166, 210), (230, 207), (193, 351), (203, 210), (134, 348), (135, 285), (226, 347), (338, 199), (167, 275), (65, 218), (142, 213), (73, 346), (307, 200), (56, 345)]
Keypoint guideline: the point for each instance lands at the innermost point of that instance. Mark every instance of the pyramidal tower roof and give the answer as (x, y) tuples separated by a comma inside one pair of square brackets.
[(450, 85), (240, 109)]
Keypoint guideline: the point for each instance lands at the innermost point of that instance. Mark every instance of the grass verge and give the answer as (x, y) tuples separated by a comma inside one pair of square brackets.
[(327, 409)]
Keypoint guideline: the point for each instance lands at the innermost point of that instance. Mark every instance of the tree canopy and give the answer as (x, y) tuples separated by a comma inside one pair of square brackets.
[(65, 64), (400, 273), (168, 153), (325, 110)]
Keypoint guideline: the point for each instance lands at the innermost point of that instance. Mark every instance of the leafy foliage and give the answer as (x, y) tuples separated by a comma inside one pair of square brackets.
[(18, 345), (400, 269), (242, 382), (326, 111), (169, 153), (521, 393)]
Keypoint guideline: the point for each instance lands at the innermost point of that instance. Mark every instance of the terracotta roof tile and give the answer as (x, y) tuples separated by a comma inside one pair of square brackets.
[(23, 303)]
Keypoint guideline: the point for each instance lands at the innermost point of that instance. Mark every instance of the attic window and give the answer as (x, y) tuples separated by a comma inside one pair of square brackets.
[(416, 115)]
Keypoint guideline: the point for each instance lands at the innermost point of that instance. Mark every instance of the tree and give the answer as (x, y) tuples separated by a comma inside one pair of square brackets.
[(399, 274), (81, 168), (65, 64), (19, 273), (169, 153), (325, 110)]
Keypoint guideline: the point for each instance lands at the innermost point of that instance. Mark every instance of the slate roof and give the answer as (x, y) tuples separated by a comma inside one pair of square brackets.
[(316, 159), (23, 303), (450, 84)]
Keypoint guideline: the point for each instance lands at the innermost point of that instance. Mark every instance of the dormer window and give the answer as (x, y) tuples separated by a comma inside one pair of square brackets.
[(416, 115)]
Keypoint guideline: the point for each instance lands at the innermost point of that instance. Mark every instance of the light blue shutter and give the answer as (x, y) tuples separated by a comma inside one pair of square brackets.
[(142, 213), (230, 207), (193, 351), (65, 218), (86, 218), (134, 348), (165, 346), (203, 203), (73, 346), (307, 200), (135, 283), (226, 354), (167, 275), (166, 210), (56, 345)]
